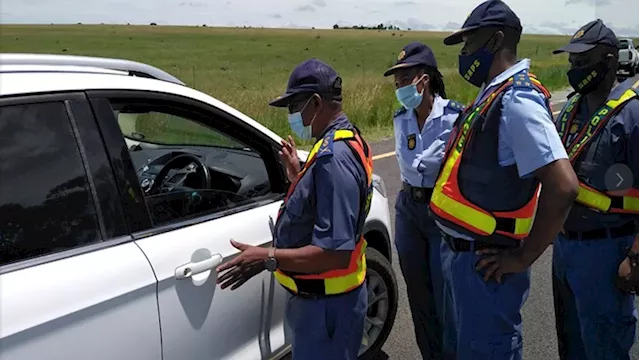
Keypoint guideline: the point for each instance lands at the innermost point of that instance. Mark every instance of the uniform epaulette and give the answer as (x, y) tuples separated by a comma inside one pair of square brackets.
[(400, 111), (522, 80), (326, 148), (455, 106)]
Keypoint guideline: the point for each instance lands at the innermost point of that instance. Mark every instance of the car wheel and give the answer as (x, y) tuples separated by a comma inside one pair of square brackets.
[(382, 304)]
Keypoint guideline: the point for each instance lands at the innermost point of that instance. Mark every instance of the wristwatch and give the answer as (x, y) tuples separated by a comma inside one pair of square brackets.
[(271, 263)]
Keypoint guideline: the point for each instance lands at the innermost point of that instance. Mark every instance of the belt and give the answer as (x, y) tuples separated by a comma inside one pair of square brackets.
[(418, 194), (463, 245), (604, 233)]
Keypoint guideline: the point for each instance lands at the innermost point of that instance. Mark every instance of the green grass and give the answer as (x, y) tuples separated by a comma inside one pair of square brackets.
[(246, 68)]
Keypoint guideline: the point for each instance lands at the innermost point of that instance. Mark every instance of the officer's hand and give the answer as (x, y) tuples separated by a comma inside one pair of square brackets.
[(498, 262), (247, 264), (627, 280), (239, 275), (289, 156)]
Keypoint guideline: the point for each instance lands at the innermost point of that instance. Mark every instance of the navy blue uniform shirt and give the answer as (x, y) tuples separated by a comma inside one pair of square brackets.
[(324, 207)]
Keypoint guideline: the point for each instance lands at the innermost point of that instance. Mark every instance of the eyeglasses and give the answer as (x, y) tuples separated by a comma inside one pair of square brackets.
[(298, 104)]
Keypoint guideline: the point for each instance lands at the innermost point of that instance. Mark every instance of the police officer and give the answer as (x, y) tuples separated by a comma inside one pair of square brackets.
[(599, 127), (422, 127), (504, 147), (319, 253)]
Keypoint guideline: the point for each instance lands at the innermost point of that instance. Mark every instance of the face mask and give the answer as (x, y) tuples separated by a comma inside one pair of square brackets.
[(409, 97), (586, 79), (475, 67), (297, 125)]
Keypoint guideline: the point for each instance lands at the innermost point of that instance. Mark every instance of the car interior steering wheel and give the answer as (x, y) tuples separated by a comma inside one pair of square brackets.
[(186, 166)]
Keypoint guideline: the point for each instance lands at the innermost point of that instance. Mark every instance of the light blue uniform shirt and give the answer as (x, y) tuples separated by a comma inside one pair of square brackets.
[(419, 163), (527, 135)]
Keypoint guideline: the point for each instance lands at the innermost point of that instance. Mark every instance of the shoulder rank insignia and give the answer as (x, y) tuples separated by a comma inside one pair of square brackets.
[(399, 112), (522, 80), (326, 148), (455, 106), (411, 141)]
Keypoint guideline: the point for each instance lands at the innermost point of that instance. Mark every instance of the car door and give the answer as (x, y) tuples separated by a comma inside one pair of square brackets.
[(190, 230), (74, 285)]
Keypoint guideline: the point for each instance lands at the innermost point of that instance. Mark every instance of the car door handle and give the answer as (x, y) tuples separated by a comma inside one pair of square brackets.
[(187, 270)]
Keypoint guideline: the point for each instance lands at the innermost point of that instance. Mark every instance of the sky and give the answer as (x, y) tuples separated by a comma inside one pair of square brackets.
[(537, 16)]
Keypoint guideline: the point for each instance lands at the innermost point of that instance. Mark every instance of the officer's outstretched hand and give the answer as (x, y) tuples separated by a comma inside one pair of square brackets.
[(249, 263), (289, 156), (497, 262)]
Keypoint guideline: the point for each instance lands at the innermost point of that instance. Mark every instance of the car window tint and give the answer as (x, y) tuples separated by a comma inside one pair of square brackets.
[(186, 167), (45, 202)]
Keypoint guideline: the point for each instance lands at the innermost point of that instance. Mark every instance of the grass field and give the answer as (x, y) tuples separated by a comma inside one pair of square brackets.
[(248, 67)]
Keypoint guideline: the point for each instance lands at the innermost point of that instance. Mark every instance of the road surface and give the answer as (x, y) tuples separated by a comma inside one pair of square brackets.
[(538, 313)]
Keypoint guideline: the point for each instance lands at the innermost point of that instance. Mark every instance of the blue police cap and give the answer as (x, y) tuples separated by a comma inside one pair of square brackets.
[(413, 54), (311, 76), (489, 13), (589, 36)]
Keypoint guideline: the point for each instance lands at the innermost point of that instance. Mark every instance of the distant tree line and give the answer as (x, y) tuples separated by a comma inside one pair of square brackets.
[(373, 27)]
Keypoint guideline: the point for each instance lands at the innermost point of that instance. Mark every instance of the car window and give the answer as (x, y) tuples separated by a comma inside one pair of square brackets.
[(169, 129), (45, 200), (623, 44), (185, 165)]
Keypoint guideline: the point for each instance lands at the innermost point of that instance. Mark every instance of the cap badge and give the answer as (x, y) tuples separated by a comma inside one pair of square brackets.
[(579, 34), (401, 55), (338, 83)]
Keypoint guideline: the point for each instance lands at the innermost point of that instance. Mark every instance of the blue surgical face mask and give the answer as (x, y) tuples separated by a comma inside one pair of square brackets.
[(297, 125), (409, 97), (475, 67)]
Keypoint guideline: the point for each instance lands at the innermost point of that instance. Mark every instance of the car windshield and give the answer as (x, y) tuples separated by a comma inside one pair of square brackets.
[(623, 44)]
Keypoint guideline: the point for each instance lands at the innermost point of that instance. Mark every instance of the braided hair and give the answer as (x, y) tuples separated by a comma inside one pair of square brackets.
[(436, 82)]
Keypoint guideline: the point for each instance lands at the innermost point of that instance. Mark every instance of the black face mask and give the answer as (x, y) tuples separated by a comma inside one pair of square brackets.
[(586, 79)]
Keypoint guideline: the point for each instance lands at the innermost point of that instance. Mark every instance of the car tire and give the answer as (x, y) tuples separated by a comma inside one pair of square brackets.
[(380, 278)]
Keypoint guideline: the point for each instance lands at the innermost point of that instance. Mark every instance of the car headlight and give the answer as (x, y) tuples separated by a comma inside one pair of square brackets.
[(378, 184)]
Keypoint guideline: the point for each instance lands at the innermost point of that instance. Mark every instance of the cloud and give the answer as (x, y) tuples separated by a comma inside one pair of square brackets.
[(588, 2), (404, 3), (452, 26), (305, 8), (275, 16), (319, 3), (193, 4)]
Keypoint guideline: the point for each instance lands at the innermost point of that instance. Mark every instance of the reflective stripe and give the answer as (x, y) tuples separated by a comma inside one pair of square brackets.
[(340, 280), (593, 198), (600, 201), (587, 195), (447, 200)]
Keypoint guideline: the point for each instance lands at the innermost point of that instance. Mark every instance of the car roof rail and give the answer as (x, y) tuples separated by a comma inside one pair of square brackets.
[(133, 68)]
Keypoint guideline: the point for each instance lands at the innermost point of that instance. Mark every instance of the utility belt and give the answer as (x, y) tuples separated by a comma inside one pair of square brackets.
[(417, 194), (464, 245), (313, 292), (604, 233)]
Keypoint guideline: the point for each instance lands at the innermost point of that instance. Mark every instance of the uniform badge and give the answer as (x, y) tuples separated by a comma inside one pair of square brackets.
[(411, 141), (579, 34), (574, 129), (401, 55)]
